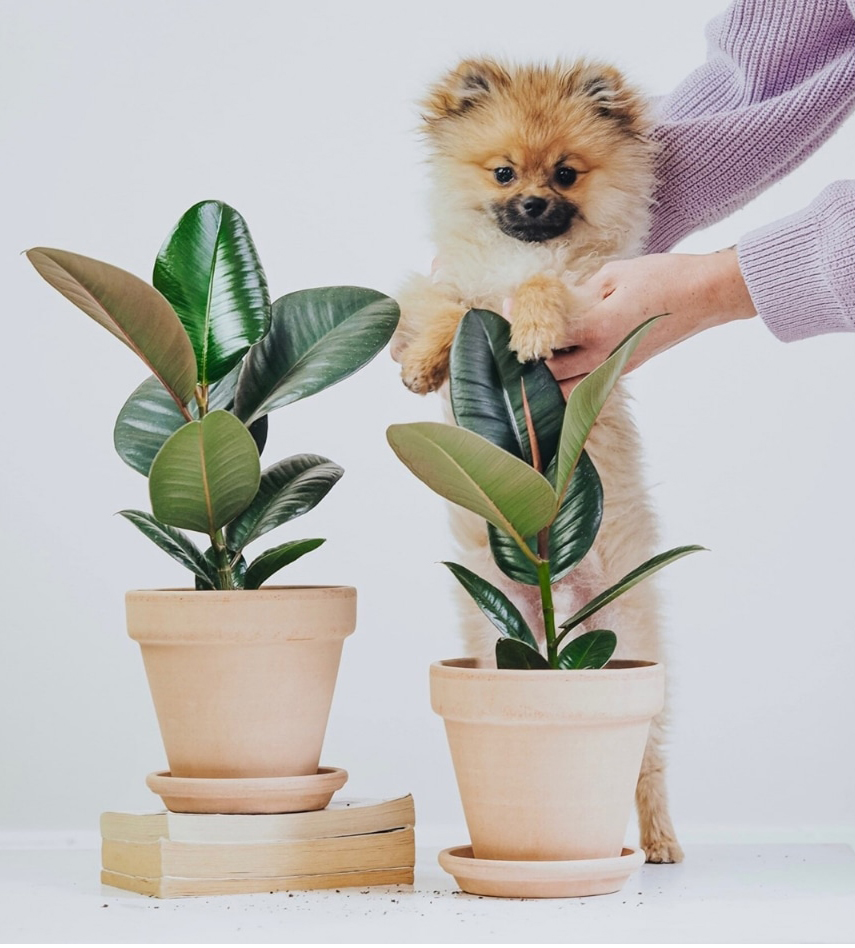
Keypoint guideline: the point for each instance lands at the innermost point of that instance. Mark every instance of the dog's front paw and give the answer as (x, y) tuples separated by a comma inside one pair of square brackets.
[(663, 849), (531, 341), (422, 371), (537, 317)]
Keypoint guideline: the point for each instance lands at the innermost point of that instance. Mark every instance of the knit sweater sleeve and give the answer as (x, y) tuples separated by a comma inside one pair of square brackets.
[(800, 271), (778, 80)]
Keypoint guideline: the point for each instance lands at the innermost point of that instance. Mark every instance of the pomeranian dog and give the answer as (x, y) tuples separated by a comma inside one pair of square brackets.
[(539, 176)]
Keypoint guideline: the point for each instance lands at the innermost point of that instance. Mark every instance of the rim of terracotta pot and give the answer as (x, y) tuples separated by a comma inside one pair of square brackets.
[(266, 614), (624, 689), (472, 665), (265, 592)]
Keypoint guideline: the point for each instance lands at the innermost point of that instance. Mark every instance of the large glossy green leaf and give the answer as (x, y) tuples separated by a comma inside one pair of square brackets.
[(571, 535), (205, 475), (317, 337), (209, 270), (287, 490), (633, 578), (150, 416), (586, 402), (486, 388), (589, 650), (494, 604), (271, 561), (145, 422), (468, 470), (177, 544), (511, 653), (130, 309)]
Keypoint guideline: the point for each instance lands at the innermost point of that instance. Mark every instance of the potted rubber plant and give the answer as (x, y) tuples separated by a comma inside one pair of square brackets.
[(241, 673), (547, 746)]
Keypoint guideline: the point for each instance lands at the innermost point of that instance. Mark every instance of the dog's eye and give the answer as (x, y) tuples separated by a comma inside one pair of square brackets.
[(565, 177), (504, 175)]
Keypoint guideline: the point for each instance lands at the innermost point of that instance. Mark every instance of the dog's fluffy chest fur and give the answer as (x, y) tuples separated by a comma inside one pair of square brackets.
[(481, 266), (483, 274)]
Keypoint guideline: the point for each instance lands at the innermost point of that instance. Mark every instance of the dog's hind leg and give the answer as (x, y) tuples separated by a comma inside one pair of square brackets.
[(658, 839)]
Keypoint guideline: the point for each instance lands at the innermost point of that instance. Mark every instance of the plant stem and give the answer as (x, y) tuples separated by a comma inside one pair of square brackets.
[(543, 544), (225, 576), (544, 579), (532, 434), (224, 567), (201, 394), (542, 561)]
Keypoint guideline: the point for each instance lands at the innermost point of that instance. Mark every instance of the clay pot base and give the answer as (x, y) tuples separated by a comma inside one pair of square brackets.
[(247, 794), (539, 880)]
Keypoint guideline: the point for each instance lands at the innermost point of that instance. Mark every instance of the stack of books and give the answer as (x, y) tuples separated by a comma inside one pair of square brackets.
[(350, 843)]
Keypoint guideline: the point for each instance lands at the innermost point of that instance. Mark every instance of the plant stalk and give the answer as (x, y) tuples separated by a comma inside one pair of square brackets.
[(201, 394), (225, 575), (545, 583)]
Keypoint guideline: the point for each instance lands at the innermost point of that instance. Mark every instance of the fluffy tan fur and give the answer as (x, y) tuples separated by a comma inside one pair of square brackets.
[(540, 175)]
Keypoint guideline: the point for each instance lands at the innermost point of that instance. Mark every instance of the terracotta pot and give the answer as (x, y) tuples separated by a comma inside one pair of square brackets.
[(242, 680), (547, 761)]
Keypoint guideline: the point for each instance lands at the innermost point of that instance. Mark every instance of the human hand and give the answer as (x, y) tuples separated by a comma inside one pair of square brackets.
[(696, 291)]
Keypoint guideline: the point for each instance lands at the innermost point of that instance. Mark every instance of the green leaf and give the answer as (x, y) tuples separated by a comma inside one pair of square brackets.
[(130, 309), (209, 270), (258, 430), (494, 604), (589, 650), (317, 338), (177, 544), (150, 416), (511, 653), (633, 578), (205, 475), (571, 535), (264, 566), (287, 489), (587, 400), (468, 470), (486, 388), (146, 421)]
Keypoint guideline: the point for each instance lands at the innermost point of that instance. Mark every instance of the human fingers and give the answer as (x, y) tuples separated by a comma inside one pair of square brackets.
[(593, 290), (570, 366), (567, 385)]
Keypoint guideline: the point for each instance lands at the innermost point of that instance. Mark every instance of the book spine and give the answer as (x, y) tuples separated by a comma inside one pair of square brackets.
[(260, 860), (167, 887), (355, 820)]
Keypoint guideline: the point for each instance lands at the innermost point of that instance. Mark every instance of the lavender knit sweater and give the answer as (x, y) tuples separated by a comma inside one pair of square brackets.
[(778, 80)]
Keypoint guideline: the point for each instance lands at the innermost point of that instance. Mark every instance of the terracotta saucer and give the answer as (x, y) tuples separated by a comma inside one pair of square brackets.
[(247, 794), (539, 880)]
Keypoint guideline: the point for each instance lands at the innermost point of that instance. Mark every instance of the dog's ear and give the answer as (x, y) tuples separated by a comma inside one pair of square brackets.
[(610, 94), (462, 89)]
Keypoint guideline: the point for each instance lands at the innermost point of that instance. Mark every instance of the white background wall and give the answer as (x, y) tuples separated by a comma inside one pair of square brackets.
[(116, 117)]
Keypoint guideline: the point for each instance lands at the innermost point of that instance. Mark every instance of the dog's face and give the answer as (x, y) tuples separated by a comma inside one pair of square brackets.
[(541, 151)]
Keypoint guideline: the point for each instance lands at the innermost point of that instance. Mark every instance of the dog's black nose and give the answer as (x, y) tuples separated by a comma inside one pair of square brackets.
[(534, 206)]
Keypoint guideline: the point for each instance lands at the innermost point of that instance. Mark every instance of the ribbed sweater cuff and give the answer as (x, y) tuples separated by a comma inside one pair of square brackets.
[(793, 275)]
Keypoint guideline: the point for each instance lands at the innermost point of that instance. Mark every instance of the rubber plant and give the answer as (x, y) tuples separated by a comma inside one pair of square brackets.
[(222, 358), (517, 458)]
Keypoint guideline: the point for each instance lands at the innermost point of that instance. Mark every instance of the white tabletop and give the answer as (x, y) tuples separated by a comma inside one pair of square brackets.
[(721, 894)]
